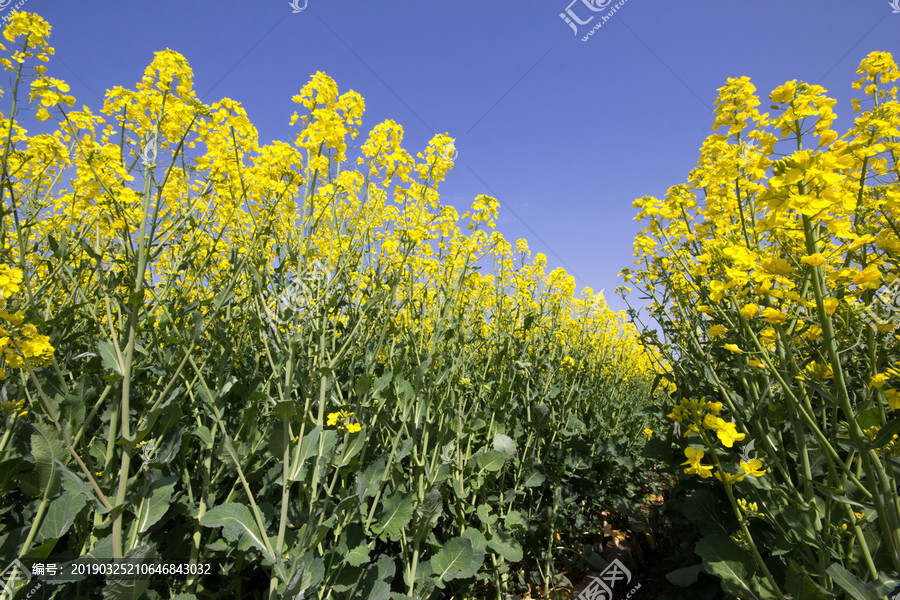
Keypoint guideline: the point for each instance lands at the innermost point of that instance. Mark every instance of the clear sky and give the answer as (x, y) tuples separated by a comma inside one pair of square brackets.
[(565, 133)]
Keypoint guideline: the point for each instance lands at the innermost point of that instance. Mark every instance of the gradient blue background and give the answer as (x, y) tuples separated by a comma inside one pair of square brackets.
[(565, 133)]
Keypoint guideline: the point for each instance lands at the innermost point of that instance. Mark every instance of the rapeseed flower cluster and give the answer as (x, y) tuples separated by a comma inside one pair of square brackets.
[(20, 342), (773, 273), (281, 226)]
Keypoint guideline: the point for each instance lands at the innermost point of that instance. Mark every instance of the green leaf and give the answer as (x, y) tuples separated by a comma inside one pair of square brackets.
[(506, 546), (309, 573), (514, 519), (109, 357), (850, 583), (800, 585), (457, 560), (309, 448), (285, 410), (204, 434), (236, 521), (395, 516), (74, 483), (156, 503), (428, 512), (724, 559), (685, 577), (479, 542), (61, 514), (534, 479), (369, 481), (505, 444), (358, 556), (353, 448), (47, 447), (484, 514), (168, 448), (491, 460)]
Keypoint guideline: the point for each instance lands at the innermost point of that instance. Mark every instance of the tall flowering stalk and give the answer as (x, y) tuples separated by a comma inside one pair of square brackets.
[(774, 275)]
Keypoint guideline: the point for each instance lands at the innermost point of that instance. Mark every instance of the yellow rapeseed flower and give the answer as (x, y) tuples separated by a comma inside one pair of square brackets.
[(694, 456)]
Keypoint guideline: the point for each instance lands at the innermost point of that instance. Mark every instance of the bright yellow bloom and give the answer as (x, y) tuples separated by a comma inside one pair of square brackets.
[(753, 467), (341, 419), (773, 315), (728, 434), (893, 398), (814, 260), (878, 381), (729, 478), (734, 348), (694, 456), (750, 310), (717, 331)]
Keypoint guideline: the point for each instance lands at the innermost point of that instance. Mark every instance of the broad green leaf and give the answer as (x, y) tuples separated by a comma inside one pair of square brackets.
[(236, 521), (484, 514), (285, 410), (886, 433), (506, 546), (686, 576), (358, 556), (308, 574), (428, 512), (479, 542), (155, 505), (534, 479), (353, 448), (109, 357), (368, 482), (74, 483), (724, 559), (850, 583), (205, 435), (47, 447), (514, 519), (491, 460), (168, 447), (395, 516), (800, 585), (61, 514), (457, 560), (505, 444)]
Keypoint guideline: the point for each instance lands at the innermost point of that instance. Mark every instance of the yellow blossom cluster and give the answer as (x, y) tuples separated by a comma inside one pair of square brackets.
[(185, 189), (20, 342)]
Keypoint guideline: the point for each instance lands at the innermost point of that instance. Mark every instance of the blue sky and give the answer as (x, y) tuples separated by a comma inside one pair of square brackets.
[(565, 133)]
